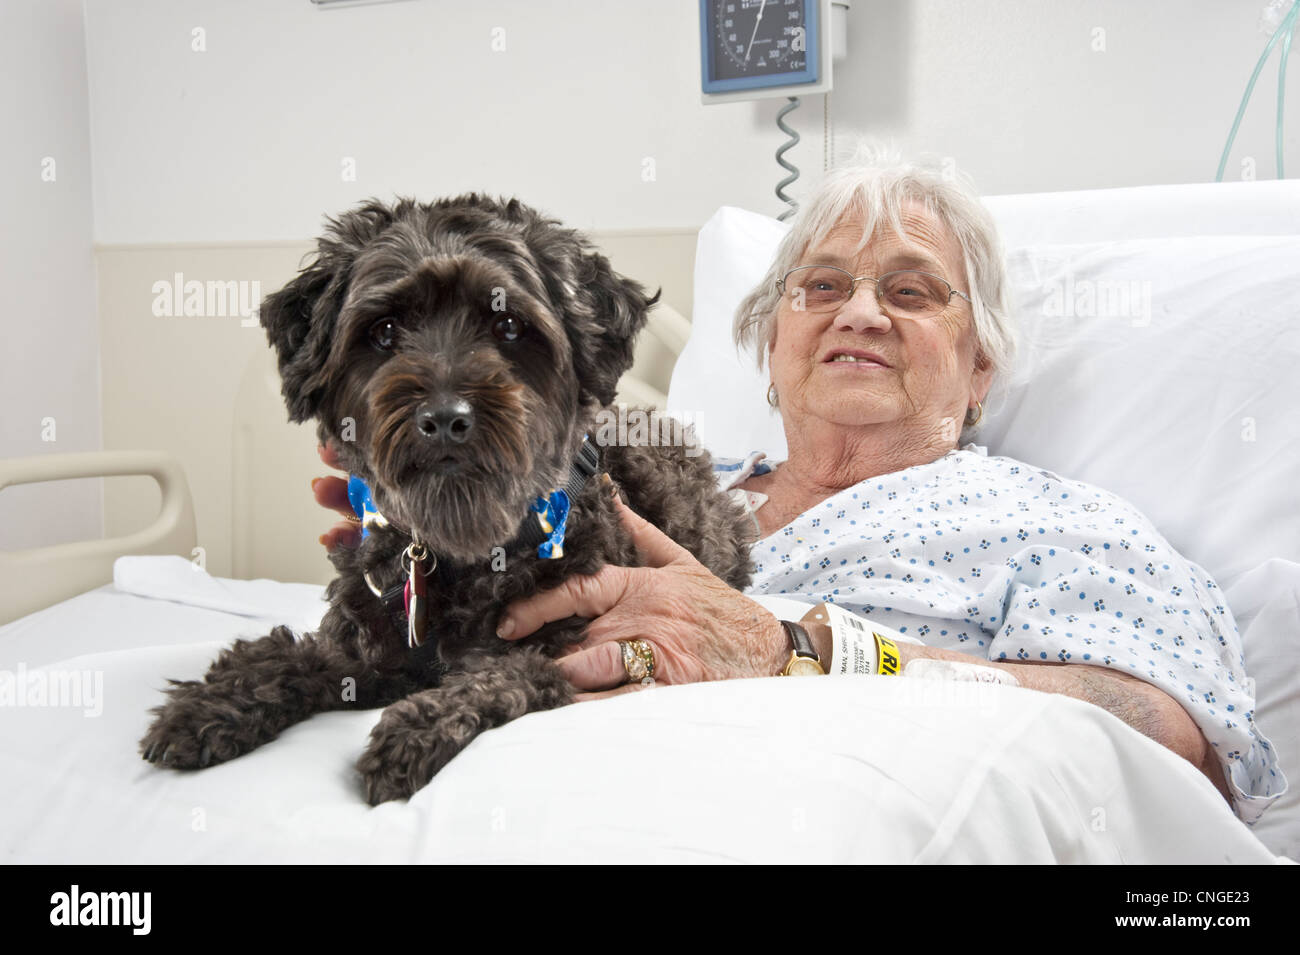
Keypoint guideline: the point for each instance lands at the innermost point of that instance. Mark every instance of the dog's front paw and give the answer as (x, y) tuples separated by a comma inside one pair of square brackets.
[(413, 740), (196, 728)]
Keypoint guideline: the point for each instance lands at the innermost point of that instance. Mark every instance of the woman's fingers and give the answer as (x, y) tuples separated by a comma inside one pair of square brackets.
[(332, 492), (599, 668), (584, 596), (599, 673), (342, 534), (656, 548)]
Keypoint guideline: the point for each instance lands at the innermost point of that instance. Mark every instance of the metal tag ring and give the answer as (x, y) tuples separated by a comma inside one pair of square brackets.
[(406, 555)]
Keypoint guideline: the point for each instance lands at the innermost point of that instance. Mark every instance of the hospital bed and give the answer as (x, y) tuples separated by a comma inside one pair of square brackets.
[(1161, 338)]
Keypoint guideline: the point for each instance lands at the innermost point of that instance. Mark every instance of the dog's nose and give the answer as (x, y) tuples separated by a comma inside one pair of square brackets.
[(445, 419)]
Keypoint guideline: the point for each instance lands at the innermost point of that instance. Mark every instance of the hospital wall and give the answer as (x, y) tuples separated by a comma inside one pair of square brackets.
[(564, 101), (49, 356)]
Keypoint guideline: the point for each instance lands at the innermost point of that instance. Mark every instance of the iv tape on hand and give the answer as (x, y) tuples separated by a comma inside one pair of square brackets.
[(959, 672)]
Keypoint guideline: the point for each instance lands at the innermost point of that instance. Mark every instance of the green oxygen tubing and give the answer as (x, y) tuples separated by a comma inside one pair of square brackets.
[(1284, 31)]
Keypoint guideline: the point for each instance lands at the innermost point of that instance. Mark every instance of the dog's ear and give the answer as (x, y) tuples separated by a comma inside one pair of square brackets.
[(603, 311), (617, 307), (299, 321), (301, 317)]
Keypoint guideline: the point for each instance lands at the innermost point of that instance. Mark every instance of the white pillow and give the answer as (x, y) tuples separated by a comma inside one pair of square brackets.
[(1170, 378), (712, 384), (1185, 403)]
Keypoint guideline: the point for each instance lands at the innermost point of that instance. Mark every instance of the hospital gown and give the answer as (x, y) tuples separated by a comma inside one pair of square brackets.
[(1006, 561)]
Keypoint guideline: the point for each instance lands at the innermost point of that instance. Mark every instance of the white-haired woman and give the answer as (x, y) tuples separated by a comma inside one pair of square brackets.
[(883, 326)]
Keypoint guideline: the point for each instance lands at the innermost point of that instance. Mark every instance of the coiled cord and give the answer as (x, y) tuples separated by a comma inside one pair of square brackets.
[(781, 161)]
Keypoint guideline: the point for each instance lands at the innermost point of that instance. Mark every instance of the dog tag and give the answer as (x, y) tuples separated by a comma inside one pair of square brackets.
[(417, 613), (417, 595)]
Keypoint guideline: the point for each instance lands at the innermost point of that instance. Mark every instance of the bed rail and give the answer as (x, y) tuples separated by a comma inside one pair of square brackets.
[(40, 576)]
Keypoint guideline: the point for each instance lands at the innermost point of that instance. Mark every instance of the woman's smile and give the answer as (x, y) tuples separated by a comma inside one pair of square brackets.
[(854, 359)]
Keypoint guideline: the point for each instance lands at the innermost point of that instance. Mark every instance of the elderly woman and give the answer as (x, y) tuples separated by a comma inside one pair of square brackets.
[(883, 327)]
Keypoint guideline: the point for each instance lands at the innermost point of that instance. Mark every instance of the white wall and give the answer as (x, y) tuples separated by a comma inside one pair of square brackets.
[(1018, 93), (49, 358), (246, 140)]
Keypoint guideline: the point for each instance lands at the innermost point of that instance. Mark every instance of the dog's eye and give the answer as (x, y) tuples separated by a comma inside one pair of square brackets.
[(508, 328), (383, 334)]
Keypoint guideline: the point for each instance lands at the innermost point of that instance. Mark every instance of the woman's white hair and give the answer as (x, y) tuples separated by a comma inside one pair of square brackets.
[(873, 188)]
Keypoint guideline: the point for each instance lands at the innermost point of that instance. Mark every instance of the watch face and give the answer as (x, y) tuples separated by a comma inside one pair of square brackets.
[(802, 666), (756, 38)]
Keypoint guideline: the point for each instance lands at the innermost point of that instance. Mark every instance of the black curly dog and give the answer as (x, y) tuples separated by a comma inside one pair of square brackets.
[(457, 353)]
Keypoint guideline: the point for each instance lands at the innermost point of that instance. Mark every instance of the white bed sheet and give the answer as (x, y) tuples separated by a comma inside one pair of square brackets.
[(863, 770)]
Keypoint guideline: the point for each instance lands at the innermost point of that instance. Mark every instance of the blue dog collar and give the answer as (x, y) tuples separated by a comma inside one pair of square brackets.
[(547, 519), (363, 503), (550, 511)]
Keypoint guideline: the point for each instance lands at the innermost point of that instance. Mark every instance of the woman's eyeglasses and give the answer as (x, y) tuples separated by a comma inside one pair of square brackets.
[(906, 293)]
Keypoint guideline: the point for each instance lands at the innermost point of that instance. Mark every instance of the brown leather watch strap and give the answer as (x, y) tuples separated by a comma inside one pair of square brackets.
[(799, 637)]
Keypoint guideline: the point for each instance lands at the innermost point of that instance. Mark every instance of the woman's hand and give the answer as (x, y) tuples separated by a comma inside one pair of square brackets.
[(700, 629), (332, 492)]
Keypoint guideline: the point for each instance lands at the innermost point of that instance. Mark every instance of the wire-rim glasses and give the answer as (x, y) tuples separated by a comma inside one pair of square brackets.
[(906, 293)]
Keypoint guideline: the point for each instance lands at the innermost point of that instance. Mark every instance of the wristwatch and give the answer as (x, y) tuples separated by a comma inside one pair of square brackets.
[(804, 660)]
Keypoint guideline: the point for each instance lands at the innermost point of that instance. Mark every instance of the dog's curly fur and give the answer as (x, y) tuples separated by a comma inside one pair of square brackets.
[(403, 308)]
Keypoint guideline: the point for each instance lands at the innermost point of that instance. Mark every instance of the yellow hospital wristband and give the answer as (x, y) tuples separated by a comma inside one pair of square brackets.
[(887, 655)]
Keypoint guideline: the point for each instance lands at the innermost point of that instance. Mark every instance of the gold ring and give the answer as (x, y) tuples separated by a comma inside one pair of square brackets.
[(638, 660)]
